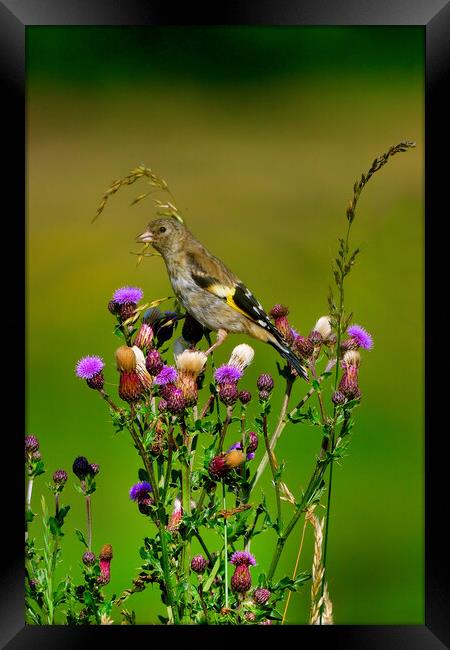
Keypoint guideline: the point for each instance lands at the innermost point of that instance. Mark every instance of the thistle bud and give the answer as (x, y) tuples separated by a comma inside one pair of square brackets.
[(349, 380), (199, 564), (31, 444), (241, 580), (144, 336), (130, 387), (338, 398), (315, 337), (80, 467), (261, 596), (154, 362), (88, 558), (94, 469), (218, 468), (252, 444), (245, 396), (303, 347), (105, 558), (176, 402), (162, 405), (60, 477), (228, 393), (279, 315), (265, 383)]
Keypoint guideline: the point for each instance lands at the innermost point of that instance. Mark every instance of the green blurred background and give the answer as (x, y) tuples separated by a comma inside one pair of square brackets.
[(260, 133)]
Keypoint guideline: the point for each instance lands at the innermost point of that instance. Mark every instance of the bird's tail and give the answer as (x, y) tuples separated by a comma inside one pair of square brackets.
[(287, 353)]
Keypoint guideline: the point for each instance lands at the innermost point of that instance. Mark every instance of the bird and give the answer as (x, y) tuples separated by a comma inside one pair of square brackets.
[(210, 292)]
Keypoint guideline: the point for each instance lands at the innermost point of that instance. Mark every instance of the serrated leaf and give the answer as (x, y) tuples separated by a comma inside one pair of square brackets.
[(81, 537)]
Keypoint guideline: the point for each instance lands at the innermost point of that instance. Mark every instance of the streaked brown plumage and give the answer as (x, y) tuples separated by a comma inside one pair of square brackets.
[(209, 291)]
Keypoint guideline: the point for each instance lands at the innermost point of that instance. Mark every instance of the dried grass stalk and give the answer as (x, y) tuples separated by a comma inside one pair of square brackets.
[(317, 576)]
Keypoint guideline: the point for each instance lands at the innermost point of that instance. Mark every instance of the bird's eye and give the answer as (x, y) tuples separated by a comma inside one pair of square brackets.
[(162, 229)]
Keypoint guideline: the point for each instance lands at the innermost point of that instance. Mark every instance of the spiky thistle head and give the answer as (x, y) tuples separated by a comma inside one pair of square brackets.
[(243, 557), (226, 374), (241, 356), (90, 368), (360, 336)]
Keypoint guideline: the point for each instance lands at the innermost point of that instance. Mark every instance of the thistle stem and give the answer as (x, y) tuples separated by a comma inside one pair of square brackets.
[(273, 467), (225, 539), (28, 503), (204, 547), (186, 503), (89, 520)]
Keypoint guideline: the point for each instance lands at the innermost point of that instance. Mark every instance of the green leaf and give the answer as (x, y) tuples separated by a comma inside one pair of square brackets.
[(55, 528), (142, 474), (29, 516), (89, 600), (213, 573), (81, 537), (38, 469)]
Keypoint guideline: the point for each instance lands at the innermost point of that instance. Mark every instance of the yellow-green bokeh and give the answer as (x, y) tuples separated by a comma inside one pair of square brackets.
[(260, 133)]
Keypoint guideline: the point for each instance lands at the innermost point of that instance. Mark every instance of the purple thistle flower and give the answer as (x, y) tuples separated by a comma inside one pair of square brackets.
[(242, 557), (88, 367), (127, 294), (227, 374), (250, 455), (361, 336), (168, 375), (140, 491)]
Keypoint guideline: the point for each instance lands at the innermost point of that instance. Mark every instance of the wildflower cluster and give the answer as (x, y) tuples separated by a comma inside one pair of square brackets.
[(204, 437)]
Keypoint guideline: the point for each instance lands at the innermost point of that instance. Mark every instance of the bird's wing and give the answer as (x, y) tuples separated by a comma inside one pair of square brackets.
[(218, 280)]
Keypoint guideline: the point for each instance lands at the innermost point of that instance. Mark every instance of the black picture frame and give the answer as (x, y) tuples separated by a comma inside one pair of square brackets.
[(15, 16)]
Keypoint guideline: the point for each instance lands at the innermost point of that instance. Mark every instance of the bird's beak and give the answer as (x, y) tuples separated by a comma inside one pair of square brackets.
[(145, 237)]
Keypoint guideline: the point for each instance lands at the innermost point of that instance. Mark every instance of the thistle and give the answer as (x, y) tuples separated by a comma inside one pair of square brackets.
[(124, 302), (105, 557), (91, 369), (189, 366)]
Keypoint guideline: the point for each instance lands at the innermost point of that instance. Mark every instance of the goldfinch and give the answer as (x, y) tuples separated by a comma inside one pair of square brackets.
[(209, 291)]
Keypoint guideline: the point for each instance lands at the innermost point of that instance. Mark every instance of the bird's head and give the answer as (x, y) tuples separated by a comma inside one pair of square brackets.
[(165, 235)]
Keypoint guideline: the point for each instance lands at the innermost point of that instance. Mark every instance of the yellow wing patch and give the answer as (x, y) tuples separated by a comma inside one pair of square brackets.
[(222, 291), (231, 302)]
